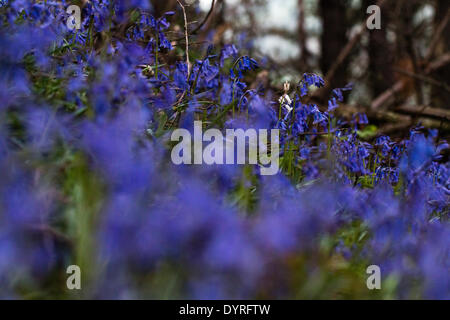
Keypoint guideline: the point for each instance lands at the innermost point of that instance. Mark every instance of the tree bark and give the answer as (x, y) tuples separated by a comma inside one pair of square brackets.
[(441, 98), (334, 38), (381, 56), (302, 37)]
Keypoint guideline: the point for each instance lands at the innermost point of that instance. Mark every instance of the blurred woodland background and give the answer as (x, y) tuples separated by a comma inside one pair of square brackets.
[(400, 73)]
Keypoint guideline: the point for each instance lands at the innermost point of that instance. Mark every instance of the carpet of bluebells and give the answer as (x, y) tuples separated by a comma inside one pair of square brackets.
[(86, 176)]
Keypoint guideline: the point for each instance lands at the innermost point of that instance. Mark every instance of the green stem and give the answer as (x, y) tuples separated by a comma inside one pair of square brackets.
[(279, 112), (156, 56)]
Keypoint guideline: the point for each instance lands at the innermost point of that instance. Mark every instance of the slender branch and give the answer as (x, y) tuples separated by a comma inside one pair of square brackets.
[(385, 99), (438, 63), (345, 52), (211, 10), (348, 48), (423, 78), (440, 114), (193, 32), (188, 62), (186, 33), (416, 68), (437, 36)]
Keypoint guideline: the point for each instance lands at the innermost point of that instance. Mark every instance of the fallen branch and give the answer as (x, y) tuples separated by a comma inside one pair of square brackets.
[(401, 114), (440, 114), (383, 98), (423, 78), (386, 99), (438, 63)]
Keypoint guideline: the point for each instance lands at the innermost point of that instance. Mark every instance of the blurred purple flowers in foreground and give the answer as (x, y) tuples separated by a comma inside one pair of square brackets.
[(86, 175)]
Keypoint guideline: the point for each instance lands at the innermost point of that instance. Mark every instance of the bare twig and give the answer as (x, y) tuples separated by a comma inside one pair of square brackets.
[(416, 68), (193, 32), (440, 114), (437, 36), (348, 48), (392, 128), (186, 33), (438, 63), (387, 95), (211, 10), (385, 99), (402, 126), (345, 52), (423, 78)]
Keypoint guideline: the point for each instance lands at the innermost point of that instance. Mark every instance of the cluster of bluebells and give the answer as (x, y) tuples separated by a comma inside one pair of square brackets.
[(86, 176)]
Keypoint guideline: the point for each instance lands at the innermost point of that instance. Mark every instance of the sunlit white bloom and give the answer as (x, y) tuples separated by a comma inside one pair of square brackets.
[(286, 101)]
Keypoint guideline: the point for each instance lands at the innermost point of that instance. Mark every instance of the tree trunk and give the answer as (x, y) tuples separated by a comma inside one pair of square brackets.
[(381, 57), (334, 38), (302, 37), (441, 98)]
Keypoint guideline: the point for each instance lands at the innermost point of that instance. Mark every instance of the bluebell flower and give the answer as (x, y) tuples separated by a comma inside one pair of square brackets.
[(180, 76), (313, 80), (228, 51), (332, 104)]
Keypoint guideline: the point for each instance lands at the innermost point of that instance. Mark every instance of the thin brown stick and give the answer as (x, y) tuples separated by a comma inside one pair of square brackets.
[(348, 48), (211, 10), (438, 63), (193, 32), (345, 52), (186, 34), (385, 99), (416, 68), (437, 36), (425, 111), (423, 78)]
